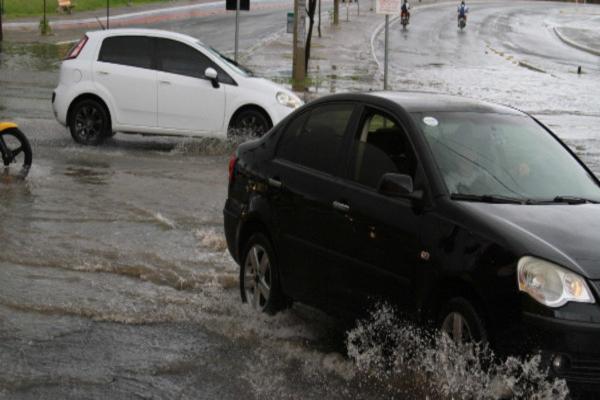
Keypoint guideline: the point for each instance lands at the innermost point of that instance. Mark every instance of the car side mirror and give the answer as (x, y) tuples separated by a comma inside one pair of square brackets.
[(398, 185), (211, 74)]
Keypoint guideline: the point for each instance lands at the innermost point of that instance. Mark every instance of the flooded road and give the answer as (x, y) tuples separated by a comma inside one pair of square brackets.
[(115, 281)]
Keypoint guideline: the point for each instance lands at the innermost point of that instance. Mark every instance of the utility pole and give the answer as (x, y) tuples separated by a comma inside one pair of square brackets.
[(318, 26), (336, 12), (298, 62), (107, 14), (1, 12)]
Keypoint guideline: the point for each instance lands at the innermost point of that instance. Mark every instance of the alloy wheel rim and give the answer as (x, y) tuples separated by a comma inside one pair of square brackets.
[(456, 327), (88, 123), (257, 277)]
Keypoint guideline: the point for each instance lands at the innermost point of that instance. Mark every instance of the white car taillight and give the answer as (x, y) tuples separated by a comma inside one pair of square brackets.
[(75, 50)]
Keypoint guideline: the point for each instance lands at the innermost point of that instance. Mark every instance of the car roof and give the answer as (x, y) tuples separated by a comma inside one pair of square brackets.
[(417, 101), (141, 32), (436, 102)]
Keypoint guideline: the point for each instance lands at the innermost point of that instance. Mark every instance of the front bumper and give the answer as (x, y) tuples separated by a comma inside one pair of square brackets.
[(570, 349)]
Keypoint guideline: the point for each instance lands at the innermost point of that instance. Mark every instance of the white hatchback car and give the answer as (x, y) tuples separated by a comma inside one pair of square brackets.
[(159, 82)]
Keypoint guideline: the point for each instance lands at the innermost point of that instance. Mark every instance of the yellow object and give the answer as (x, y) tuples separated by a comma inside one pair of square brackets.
[(7, 125)]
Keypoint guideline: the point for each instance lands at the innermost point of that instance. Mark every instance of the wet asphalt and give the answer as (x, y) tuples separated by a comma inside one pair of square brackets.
[(115, 281)]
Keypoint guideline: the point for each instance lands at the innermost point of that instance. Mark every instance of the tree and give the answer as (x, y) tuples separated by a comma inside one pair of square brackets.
[(319, 26), (310, 11), (1, 11), (336, 12)]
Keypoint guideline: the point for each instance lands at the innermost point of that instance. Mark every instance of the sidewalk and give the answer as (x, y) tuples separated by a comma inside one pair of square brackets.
[(341, 60), (580, 38)]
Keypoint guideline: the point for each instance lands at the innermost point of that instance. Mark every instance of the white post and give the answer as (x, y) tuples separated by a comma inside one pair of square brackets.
[(237, 28), (385, 57)]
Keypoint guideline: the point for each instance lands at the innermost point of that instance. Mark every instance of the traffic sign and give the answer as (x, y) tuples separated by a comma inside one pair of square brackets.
[(231, 5), (388, 6)]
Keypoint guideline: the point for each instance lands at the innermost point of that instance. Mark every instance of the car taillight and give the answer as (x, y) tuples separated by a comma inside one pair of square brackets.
[(75, 50), (232, 162)]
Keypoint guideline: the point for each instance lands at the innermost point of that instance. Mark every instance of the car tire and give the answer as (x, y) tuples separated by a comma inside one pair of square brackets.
[(461, 321), (250, 122), (259, 276), (15, 144), (90, 122)]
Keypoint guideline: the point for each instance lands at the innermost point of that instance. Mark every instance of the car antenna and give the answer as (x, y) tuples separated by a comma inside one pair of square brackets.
[(100, 22)]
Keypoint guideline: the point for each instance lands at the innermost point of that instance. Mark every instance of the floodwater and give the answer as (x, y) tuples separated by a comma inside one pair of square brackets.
[(115, 281)]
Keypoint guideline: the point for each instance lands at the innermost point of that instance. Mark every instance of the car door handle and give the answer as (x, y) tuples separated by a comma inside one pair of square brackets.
[(276, 183), (165, 82), (343, 207), (103, 72)]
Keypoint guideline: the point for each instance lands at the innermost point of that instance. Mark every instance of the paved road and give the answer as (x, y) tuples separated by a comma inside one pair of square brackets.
[(508, 54), (114, 278)]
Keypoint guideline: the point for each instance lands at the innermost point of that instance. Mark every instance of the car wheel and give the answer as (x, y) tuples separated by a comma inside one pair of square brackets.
[(461, 322), (15, 149), (259, 278), (90, 123), (249, 122)]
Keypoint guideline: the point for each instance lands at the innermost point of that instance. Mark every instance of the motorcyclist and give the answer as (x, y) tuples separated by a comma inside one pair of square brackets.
[(462, 10), (404, 10)]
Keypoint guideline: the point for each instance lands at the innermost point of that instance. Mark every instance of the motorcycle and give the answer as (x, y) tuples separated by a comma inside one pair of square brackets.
[(15, 149), (462, 22), (404, 20)]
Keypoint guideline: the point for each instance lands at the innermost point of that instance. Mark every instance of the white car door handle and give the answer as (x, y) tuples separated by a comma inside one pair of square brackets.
[(165, 82), (103, 72)]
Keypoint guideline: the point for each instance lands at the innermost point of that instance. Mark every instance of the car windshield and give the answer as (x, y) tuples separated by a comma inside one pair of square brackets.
[(240, 69), (500, 156)]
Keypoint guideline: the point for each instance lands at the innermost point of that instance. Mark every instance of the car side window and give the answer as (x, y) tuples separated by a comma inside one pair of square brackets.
[(179, 58), (134, 51), (314, 138), (380, 146)]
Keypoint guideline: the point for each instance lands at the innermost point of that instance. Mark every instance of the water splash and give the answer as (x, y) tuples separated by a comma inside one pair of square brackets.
[(210, 238), (410, 362), (209, 146)]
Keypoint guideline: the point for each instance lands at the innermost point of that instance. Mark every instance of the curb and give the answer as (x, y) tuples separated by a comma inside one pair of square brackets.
[(575, 44)]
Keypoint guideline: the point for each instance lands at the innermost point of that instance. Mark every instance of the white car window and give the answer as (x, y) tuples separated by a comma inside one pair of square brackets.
[(179, 58), (134, 51)]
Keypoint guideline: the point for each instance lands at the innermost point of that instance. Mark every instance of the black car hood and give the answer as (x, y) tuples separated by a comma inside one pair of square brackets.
[(568, 235)]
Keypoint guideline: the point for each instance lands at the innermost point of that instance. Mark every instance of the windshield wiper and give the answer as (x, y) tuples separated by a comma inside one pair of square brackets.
[(563, 200), (573, 200), (486, 198)]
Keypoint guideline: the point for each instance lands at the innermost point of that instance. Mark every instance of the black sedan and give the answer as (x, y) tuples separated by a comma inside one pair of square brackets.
[(466, 214)]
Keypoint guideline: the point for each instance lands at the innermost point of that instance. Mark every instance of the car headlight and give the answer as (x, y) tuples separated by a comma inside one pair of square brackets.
[(288, 100), (551, 285)]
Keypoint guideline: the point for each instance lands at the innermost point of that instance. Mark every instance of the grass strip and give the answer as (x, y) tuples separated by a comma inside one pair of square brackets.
[(32, 8)]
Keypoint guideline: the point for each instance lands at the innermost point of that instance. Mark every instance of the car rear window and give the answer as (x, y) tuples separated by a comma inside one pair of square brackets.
[(134, 51)]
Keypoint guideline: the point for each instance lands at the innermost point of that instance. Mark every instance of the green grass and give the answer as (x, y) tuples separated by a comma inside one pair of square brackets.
[(32, 8)]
